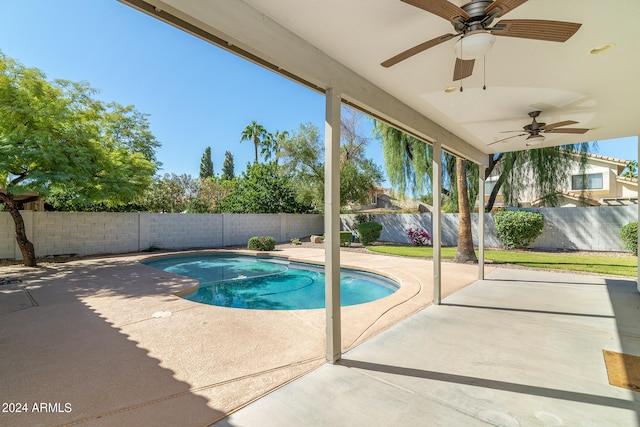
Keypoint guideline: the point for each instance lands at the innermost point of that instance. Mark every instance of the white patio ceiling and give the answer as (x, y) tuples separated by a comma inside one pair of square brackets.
[(341, 43)]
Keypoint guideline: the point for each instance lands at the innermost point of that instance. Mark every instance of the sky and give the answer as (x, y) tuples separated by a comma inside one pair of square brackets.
[(196, 94)]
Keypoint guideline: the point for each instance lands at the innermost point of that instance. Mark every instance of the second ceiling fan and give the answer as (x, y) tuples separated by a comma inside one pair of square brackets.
[(472, 22)]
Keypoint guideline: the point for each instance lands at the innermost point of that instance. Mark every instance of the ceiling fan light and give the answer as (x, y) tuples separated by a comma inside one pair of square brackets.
[(534, 139), (474, 45)]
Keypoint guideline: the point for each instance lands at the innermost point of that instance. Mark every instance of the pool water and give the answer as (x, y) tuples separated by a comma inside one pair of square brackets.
[(270, 283)]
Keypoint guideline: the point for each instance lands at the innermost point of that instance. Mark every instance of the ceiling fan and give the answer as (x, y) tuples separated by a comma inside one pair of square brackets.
[(473, 23), (535, 129)]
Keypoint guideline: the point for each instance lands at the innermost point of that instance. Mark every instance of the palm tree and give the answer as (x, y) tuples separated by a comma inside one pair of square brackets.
[(465, 252), (256, 133)]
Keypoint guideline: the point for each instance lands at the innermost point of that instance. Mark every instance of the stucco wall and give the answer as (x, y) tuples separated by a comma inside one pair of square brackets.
[(88, 233)]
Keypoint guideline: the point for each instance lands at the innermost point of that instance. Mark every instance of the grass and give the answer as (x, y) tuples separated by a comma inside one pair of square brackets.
[(618, 266)]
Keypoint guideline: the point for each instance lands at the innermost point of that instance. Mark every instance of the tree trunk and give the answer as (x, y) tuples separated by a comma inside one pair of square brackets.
[(26, 247), (465, 252)]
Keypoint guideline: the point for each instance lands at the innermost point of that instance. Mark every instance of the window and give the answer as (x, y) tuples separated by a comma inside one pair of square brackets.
[(488, 186), (586, 182)]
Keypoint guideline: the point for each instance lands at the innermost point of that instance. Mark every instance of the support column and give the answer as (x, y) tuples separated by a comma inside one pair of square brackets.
[(436, 221), (482, 168), (332, 225)]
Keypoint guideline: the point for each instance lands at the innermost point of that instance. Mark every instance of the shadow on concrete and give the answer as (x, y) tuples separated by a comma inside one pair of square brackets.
[(63, 362), (625, 301), (492, 384), (522, 310)]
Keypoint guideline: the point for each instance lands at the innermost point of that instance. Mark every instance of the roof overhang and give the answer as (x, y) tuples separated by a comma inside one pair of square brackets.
[(340, 45)]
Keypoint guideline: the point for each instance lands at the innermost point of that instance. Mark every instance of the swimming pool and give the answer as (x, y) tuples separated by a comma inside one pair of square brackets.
[(268, 283)]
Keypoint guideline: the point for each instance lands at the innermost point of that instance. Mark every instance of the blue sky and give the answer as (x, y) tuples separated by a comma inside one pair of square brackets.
[(196, 94)]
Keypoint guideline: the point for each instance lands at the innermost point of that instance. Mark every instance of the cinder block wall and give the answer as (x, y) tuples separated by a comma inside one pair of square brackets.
[(88, 233), (584, 228)]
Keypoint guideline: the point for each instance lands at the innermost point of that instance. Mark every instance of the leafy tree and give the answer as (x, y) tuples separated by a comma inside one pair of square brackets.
[(408, 164), (303, 160), (261, 189), (303, 157), (256, 133), (171, 194), (631, 171), (228, 167), (206, 165), (56, 138), (541, 170)]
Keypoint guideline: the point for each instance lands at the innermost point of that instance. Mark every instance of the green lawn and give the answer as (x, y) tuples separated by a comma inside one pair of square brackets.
[(619, 266)]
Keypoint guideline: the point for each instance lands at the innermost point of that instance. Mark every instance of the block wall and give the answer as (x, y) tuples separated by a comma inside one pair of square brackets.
[(89, 233)]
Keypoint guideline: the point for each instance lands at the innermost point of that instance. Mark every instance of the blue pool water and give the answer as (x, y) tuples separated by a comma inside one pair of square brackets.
[(270, 283)]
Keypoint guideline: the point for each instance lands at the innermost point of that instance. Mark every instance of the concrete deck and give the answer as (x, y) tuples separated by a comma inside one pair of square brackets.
[(522, 348), (105, 342)]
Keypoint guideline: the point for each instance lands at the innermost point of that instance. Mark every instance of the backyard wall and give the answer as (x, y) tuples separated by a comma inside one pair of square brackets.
[(580, 228), (88, 233)]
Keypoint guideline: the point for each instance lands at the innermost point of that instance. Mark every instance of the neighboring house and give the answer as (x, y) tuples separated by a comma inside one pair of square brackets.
[(30, 201), (601, 184), (386, 199)]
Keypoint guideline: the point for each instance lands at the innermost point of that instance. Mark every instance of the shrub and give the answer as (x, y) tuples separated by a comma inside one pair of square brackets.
[(262, 243), (629, 236), (345, 238), (517, 229), (419, 236), (369, 232)]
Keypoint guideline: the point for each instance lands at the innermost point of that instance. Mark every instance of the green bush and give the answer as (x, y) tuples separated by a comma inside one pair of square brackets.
[(369, 232), (262, 243), (629, 236), (517, 229), (345, 238)]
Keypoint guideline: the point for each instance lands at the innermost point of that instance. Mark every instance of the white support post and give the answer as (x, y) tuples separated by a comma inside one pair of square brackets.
[(482, 168), (332, 225), (436, 221)]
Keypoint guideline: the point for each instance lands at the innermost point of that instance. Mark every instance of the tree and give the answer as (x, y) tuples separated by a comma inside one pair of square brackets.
[(262, 189), (228, 167), (256, 133), (55, 137), (303, 157), (171, 194), (272, 145), (539, 170), (408, 165), (465, 252), (206, 165), (631, 171)]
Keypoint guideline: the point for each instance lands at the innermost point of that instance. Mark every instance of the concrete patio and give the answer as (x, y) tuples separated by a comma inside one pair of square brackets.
[(522, 348), (104, 341)]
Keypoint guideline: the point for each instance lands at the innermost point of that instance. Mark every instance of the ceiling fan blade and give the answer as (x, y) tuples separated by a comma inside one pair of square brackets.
[(442, 8), (504, 139), (558, 124), (463, 68), (416, 49), (568, 130), (536, 29), (505, 6)]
